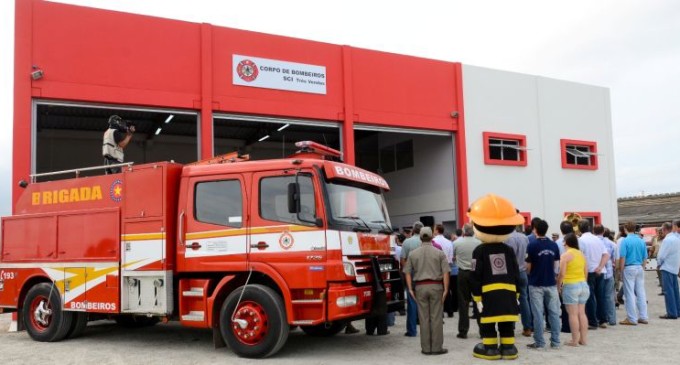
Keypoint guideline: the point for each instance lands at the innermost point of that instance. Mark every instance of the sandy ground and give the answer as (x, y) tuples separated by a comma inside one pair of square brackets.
[(105, 343)]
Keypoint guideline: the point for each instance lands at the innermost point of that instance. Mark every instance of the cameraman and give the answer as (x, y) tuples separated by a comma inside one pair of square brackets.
[(116, 138)]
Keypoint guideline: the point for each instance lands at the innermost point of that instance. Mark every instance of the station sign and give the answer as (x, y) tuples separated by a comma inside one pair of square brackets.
[(279, 75)]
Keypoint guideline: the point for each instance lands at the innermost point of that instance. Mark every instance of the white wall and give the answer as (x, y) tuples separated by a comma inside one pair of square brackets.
[(545, 110)]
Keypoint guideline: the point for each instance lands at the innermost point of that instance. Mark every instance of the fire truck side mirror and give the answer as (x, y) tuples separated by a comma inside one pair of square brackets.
[(294, 197)]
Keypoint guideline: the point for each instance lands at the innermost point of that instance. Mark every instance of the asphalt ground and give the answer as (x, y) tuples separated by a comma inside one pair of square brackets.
[(105, 343)]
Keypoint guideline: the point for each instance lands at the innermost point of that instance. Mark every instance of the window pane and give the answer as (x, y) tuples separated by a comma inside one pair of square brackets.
[(404, 152), (387, 159), (574, 158), (495, 151), (504, 149), (511, 154), (274, 199), (219, 202)]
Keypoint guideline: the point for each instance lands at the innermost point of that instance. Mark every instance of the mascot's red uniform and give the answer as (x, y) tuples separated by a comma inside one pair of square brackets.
[(495, 276)]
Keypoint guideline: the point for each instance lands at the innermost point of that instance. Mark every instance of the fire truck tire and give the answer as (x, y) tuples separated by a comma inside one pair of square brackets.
[(263, 313), (78, 326), (131, 321), (44, 319), (324, 330)]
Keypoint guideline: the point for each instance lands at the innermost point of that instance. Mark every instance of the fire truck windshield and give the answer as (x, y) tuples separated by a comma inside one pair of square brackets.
[(356, 208)]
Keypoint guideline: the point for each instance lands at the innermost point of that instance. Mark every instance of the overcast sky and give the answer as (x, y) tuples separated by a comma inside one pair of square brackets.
[(630, 47)]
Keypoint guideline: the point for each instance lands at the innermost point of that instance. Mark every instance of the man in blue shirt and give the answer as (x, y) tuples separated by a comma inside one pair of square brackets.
[(633, 255), (669, 266), (542, 257)]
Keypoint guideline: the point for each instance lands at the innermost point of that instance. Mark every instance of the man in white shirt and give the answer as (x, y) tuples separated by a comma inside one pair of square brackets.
[(596, 258), (451, 303)]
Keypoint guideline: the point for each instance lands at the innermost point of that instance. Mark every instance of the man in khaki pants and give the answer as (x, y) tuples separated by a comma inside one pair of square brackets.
[(431, 278)]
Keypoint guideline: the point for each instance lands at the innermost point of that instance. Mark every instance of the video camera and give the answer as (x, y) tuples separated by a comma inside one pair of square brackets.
[(121, 125)]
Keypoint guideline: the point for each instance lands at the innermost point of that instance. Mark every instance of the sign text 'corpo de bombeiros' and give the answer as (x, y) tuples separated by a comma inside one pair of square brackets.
[(280, 75)]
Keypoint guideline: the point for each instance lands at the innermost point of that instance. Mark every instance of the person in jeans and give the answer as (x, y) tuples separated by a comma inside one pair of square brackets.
[(409, 245), (519, 242), (542, 256), (574, 289), (669, 265), (609, 292), (633, 255), (608, 284), (596, 256)]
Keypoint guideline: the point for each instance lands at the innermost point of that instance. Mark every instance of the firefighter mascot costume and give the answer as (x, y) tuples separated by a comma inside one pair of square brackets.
[(495, 276)]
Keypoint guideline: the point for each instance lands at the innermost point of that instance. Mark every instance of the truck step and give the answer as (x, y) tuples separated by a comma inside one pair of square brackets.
[(196, 316), (194, 292)]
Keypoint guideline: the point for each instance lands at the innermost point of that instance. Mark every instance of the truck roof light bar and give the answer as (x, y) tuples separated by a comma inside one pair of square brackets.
[(318, 148)]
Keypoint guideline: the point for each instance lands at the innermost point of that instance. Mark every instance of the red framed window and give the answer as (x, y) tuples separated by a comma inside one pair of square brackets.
[(505, 149), (579, 154), (593, 217)]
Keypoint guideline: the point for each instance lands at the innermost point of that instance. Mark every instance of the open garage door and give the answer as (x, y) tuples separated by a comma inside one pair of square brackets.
[(419, 167), (69, 135), (267, 137)]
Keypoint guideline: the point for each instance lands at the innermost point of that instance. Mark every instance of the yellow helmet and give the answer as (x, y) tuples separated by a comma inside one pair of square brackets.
[(492, 210)]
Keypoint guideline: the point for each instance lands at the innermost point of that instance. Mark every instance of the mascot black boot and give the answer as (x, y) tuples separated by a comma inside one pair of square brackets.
[(495, 276), (487, 352)]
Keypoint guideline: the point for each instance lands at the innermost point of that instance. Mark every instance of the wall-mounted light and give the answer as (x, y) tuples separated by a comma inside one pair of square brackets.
[(283, 127), (169, 118), (158, 131), (37, 73), (263, 138)]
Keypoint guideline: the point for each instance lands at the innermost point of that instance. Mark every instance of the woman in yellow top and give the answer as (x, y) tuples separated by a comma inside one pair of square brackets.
[(574, 289)]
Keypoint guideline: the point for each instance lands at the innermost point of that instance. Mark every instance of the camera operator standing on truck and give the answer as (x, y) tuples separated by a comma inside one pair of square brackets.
[(116, 138)]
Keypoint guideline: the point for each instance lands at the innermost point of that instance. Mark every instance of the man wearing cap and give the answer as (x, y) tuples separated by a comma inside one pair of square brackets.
[(409, 245), (428, 268)]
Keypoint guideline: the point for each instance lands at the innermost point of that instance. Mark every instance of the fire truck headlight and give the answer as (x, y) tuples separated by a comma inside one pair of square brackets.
[(348, 268), (349, 301), (385, 267)]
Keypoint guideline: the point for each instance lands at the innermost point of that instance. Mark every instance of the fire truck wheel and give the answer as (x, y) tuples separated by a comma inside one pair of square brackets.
[(44, 318), (257, 328), (324, 329), (78, 326), (129, 321)]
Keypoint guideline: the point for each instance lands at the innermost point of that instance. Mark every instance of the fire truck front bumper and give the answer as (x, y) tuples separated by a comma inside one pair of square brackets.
[(347, 301)]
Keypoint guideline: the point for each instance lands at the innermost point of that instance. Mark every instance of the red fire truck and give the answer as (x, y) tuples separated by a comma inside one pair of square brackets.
[(249, 249)]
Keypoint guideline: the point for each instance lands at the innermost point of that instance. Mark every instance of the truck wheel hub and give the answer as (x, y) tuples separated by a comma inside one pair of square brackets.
[(257, 324), (42, 314)]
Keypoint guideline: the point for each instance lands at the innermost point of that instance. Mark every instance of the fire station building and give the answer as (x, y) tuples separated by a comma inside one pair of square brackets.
[(441, 133)]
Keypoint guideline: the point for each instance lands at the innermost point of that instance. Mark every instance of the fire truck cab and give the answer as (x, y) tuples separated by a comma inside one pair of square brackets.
[(246, 248)]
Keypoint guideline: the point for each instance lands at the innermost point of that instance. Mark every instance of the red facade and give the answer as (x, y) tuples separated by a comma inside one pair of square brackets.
[(110, 57)]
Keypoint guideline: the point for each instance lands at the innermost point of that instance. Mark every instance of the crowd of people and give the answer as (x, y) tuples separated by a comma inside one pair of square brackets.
[(571, 283)]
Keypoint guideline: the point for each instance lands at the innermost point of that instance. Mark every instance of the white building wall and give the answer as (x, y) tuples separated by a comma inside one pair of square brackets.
[(545, 111), (425, 189)]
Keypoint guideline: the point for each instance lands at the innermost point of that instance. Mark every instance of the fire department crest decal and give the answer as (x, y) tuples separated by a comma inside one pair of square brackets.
[(286, 240), (498, 265), (247, 70), (116, 191)]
